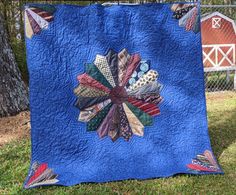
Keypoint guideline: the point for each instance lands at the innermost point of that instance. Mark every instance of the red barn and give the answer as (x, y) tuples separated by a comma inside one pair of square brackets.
[(219, 42)]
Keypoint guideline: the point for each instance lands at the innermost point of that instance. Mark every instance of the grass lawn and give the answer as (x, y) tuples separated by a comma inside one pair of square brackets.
[(14, 163)]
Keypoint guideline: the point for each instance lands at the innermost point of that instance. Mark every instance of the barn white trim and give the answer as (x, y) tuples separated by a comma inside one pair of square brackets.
[(218, 49), (222, 16), (215, 69)]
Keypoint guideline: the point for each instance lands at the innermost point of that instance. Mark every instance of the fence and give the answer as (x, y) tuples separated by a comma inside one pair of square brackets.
[(218, 38), (219, 46)]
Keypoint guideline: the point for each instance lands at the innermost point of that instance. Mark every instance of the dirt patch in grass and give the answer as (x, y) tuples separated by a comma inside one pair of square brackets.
[(221, 95), (14, 127)]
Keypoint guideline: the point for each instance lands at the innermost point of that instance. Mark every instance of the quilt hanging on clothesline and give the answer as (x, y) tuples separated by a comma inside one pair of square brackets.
[(116, 92)]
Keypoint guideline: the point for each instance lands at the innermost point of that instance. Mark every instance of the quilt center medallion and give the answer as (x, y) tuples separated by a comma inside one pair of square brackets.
[(118, 95)]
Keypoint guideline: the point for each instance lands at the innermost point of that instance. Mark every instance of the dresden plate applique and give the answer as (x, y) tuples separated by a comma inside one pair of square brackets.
[(118, 95), (41, 174), (188, 16), (204, 163), (37, 18)]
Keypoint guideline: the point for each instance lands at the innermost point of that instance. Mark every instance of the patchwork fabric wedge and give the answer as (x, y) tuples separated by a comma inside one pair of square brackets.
[(116, 92)]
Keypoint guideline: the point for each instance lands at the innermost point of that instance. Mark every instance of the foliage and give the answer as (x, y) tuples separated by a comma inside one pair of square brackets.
[(15, 157), (217, 81), (20, 55)]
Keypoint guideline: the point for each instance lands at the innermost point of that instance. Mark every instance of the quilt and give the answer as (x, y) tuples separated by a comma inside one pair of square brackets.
[(116, 92)]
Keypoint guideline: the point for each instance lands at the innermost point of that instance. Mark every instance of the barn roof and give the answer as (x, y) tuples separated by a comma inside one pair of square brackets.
[(207, 16)]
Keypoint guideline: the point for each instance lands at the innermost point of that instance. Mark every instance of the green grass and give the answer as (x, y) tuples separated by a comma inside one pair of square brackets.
[(14, 162)]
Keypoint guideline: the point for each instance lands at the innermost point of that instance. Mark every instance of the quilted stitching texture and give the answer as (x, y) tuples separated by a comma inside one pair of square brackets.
[(57, 55)]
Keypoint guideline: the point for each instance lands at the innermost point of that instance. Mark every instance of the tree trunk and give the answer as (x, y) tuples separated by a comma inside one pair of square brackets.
[(13, 91)]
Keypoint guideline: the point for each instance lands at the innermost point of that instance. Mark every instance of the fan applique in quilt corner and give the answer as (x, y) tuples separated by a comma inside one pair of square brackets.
[(37, 18), (204, 163), (187, 15), (118, 95), (40, 174)]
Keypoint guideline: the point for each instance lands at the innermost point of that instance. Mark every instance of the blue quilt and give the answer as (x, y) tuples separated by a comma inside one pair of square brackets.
[(116, 92)]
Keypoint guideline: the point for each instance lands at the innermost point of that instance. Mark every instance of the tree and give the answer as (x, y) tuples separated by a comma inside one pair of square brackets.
[(13, 91)]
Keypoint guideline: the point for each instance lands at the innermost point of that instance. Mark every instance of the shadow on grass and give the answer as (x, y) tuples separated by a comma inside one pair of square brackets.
[(222, 130)]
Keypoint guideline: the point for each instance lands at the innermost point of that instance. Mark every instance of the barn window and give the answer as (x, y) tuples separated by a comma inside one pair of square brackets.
[(216, 22)]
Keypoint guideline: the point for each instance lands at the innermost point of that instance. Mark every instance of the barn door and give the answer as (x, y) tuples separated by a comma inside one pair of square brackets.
[(219, 55)]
